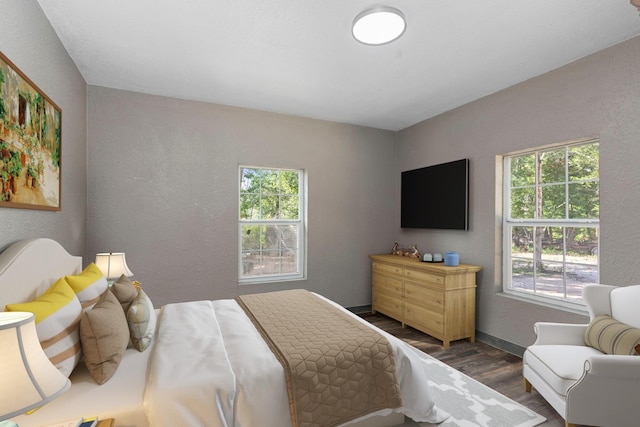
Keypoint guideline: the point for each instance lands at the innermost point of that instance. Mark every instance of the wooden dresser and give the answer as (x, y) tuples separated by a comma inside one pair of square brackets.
[(431, 297)]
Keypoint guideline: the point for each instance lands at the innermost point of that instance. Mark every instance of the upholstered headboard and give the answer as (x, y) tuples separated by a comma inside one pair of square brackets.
[(29, 267)]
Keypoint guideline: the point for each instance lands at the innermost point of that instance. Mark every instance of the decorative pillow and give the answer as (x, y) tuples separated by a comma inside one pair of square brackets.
[(141, 318), (104, 335), (57, 315), (88, 285), (611, 337), (125, 291)]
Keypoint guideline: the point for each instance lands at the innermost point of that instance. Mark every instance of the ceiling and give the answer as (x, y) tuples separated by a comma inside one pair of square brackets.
[(298, 57)]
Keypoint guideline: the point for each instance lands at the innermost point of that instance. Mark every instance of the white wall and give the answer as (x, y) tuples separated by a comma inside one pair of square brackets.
[(163, 188), (596, 96), (31, 44)]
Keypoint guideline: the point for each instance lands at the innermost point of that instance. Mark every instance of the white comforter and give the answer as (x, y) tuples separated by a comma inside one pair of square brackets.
[(211, 367)]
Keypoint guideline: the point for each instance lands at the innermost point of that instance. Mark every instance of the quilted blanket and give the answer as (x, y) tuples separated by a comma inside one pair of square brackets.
[(337, 369)]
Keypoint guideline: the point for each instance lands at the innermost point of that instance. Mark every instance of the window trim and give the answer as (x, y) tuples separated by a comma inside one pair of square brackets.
[(301, 223), (503, 184)]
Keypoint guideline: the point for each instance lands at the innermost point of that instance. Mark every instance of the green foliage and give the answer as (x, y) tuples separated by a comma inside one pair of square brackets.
[(31, 170), (269, 194), (567, 185), (14, 166)]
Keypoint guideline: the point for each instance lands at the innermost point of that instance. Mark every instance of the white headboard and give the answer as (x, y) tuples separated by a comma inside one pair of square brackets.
[(29, 267)]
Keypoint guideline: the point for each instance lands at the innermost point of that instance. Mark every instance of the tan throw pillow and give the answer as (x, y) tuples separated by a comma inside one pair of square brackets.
[(125, 292), (611, 337), (141, 318), (104, 335)]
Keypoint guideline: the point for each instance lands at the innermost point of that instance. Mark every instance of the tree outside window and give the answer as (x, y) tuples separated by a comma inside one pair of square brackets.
[(271, 224), (551, 221)]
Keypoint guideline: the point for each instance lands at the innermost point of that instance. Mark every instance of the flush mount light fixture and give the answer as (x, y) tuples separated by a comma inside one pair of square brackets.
[(378, 25)]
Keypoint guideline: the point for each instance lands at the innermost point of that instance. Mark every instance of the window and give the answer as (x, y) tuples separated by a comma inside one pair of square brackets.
[(551, 222), (272, 228)]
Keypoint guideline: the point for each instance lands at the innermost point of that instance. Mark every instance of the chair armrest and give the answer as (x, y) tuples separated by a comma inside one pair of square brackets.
[(613, 366), (559, 333)]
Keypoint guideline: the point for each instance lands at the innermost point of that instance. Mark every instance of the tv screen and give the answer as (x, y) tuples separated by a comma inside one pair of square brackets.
[(436, 197)]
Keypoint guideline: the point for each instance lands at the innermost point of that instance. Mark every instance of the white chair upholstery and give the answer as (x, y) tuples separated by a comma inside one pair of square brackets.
[(586, 386)]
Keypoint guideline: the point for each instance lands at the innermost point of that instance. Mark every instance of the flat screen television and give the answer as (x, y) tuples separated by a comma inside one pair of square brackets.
[(436, 197)]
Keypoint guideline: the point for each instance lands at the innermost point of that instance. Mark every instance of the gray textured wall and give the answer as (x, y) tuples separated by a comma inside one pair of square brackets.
[(598, 95), (163, 188), (31, 44)]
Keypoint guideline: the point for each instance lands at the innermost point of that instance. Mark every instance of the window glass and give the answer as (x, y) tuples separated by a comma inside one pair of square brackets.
[(271, 225), (552, 207)]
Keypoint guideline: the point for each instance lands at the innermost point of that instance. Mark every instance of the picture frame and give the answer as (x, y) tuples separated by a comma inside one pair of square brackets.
[(30, 143)]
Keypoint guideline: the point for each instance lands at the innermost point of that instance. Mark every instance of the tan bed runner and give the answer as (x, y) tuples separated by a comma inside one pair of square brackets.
[(337, 368)]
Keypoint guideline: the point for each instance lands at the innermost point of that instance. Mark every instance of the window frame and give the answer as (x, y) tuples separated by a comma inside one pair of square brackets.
[(507, 223), (300, 223)]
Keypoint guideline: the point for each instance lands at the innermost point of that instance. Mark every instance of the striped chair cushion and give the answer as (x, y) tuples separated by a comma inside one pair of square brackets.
[(57, 314), (88, 285), (611, 337)]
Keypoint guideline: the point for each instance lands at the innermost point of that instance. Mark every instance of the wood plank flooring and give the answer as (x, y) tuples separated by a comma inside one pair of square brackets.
[(491, 366)]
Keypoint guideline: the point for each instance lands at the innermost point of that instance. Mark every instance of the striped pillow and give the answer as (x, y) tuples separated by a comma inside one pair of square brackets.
[(88, 285), (57, 314), (611, 337)]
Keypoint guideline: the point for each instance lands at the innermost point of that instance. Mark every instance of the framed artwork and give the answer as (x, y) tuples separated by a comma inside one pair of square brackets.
[(30, 135)]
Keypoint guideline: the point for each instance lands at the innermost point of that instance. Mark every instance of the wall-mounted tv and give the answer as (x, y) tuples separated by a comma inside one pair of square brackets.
[(436, 197)]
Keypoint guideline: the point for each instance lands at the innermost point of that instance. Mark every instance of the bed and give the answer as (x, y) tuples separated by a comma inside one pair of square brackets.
[(223, 377)]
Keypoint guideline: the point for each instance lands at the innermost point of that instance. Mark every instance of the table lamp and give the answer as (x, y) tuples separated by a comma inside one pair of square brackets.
[(113, 265), (28, 379)]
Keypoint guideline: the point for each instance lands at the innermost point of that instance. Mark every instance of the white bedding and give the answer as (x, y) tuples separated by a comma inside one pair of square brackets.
[(211, 367)]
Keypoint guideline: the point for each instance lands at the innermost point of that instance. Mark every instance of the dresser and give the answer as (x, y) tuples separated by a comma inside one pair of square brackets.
[(431, 297)]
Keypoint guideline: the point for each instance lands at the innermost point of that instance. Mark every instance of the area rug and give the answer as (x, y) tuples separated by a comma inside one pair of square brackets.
[(471, 403)]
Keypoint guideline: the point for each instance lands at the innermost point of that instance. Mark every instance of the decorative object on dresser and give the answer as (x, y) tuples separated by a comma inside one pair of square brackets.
[(411, 252), (433, 298), (451, 259)]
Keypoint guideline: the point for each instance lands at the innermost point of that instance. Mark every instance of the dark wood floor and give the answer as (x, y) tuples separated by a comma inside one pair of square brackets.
[(493, 367)]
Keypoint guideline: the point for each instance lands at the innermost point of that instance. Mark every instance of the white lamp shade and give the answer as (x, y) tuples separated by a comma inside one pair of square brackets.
[(113, 265), (27, 378)]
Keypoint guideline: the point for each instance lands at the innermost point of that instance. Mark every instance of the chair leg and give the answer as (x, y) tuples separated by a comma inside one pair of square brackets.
[(567, 424), (527, 385)]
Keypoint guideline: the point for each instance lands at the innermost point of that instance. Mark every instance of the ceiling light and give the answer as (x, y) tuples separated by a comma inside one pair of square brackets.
[(378, 25)]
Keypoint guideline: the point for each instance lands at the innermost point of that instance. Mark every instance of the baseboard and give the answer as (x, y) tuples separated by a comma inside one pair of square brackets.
[(360, 309), (503, 345)]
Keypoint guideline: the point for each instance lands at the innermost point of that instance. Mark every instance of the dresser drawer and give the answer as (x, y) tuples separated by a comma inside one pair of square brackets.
[(421, 318), (387, 285), (390, 306), (422, 296), (387, 268), (423, 276)]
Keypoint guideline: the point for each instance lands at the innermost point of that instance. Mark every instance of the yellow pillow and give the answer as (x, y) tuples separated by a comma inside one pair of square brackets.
[(57, 315), (88, 285)]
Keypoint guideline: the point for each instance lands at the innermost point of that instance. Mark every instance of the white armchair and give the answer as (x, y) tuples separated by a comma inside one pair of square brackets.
[(584, 385)]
